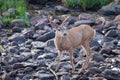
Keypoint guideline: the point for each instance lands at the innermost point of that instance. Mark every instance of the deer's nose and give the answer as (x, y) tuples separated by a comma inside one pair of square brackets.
[(65, 34)]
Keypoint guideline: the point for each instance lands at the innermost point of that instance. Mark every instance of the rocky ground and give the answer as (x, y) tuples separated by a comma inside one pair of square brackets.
[(29, 54)]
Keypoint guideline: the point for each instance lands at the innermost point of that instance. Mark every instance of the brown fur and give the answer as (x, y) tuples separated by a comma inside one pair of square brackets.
[(75, 37)]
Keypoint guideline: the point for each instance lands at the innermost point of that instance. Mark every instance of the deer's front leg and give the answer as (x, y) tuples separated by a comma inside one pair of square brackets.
[(71, 59), (86, 47), (58, 57)]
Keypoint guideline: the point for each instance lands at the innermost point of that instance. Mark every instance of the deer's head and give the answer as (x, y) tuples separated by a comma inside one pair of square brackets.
[(58, 29)]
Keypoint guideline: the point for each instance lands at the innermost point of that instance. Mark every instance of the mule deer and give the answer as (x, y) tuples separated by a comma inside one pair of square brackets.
[(70, 39)]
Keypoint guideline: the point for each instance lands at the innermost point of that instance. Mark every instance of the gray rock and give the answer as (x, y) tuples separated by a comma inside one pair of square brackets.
[(94, 70), (118, 33), (61, 9), (18, 66), (28, 69), (85, 16), (94, 43), (28, 32), (111, 33), (13, 60), (98, 57), (6, 77), (17, 37), (41, 24), (108, 9), (44, 76), (116, 51), (40, 20), (110, 74), (13, 49), (1, 25), (47, 56), (46, 37), (97, 78), (17, 23), (37, 44), (77, 23), (50, 43), (65, 77)]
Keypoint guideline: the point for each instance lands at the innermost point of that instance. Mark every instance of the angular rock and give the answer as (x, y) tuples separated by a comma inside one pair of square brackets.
[(16, 30), (108, 9), (18, 66), (61, 9), (6, 77), (116, 51), (85, 16), (1, 24), (46, 37), (65, 77), (17, 37), (98, 57), (44, 76), (77, 23), (17, 23), (40, 20), (111, 33), (37, 44), (94, 70), (94, 43), (110, 74), (50, 43), (97, 78), (28, 32)]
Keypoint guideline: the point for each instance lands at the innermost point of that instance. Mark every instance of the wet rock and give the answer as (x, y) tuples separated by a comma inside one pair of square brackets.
[(37, 44), (17, 23), (46, 36), (61, 9), (118, 33), (108, 9), (17, 37), (16, 30), (110, 74), (77, 23), (98, 57), (111, 33), (18, 66), (28, 32)]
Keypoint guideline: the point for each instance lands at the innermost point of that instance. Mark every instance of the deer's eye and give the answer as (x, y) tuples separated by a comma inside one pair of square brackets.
[(58, 29)]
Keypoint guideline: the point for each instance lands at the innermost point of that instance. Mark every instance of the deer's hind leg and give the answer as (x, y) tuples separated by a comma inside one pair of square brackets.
[(86, 48)]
